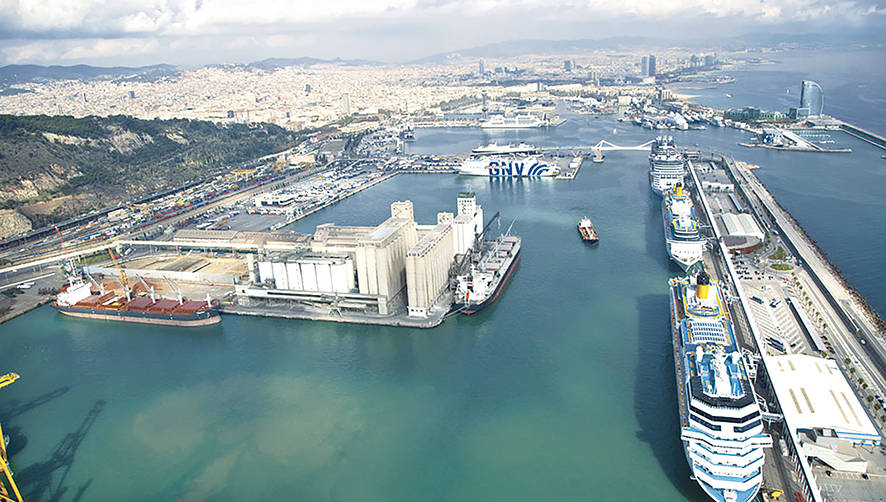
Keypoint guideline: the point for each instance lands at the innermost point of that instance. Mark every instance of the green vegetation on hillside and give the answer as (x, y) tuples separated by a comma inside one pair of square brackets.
[(119, 157)]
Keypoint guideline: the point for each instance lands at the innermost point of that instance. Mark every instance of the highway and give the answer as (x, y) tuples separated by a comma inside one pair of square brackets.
[(88, 248)]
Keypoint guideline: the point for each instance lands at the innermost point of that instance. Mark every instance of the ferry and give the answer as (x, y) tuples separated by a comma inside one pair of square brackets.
[(509, 149), (587, 232), (78, 300), (720, 421), (524, 121), (684, 243), (666, 165), (481, 284), (508, 166)]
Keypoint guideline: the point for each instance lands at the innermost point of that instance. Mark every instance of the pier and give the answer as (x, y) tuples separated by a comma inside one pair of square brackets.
[(828, 295), (864, 135)]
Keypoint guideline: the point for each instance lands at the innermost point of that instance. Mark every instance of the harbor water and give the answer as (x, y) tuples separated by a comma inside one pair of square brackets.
[(561, 390)]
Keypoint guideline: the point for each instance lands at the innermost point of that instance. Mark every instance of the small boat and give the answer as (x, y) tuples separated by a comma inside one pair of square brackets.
[(587, 232)]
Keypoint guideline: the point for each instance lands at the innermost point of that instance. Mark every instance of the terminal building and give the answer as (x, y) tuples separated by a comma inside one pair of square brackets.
[(822, 413)]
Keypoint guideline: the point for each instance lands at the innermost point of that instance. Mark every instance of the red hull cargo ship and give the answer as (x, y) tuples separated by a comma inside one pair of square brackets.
[(78, 300)]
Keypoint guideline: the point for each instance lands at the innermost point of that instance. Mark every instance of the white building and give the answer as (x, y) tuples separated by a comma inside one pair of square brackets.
[(741, 225), (822, 411), (467, 224)]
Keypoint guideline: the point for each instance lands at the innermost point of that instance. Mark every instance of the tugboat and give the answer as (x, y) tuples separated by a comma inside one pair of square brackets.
[(587, 232)]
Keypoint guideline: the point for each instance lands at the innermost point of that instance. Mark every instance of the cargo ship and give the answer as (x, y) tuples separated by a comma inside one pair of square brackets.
[(508, 166), (684, 243), (720, 421), (481, 284), (78, 300), (587, 232)]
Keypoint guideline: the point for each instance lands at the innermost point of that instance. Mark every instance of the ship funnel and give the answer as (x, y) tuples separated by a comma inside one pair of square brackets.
[(703, 282), (678, 189)]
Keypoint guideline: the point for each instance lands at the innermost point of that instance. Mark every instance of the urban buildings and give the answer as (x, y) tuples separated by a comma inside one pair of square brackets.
[(651, 66)]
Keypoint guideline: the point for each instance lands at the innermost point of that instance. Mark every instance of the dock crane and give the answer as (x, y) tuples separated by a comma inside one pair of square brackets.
[(122, 280), (7, 484), (149, 289), (177, 291), (100, 286)]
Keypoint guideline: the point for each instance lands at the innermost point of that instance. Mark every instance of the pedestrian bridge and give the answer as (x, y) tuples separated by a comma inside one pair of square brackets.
[(602, 146)]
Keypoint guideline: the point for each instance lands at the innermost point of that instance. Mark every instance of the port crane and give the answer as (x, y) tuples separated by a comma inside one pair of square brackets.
[(178, 292), (149, 289), (7, 485), (122, 280)]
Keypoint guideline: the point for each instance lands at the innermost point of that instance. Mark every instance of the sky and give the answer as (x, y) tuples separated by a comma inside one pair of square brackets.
[(195, 32)]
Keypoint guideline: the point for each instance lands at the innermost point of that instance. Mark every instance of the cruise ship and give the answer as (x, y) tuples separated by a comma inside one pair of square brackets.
[(685, 245), (509, 149), (508, 166), (481, 284), (666, 165), (524, 121), (720, 421)]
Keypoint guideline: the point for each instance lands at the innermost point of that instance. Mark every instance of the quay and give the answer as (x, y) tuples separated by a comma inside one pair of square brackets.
[(288, 310), (335, 200), (791, 467)]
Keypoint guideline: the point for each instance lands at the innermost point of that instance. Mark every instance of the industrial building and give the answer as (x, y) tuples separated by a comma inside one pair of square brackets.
[(427, 267), (393, 267), (740, 230)]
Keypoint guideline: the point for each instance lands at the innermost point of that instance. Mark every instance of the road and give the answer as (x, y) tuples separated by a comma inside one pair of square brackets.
[(869, 357), (89, 248)]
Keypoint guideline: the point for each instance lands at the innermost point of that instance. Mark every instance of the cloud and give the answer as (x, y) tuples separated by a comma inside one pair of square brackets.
[(376, 29)]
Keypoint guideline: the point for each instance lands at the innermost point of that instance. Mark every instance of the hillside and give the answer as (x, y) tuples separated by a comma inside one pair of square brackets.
[(55, 167)]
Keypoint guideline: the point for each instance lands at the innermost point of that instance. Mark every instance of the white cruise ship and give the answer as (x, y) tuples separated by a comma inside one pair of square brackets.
[(666, 165), (509, 149), (524, 121), (685, 245), (720, 422), (511, 166)]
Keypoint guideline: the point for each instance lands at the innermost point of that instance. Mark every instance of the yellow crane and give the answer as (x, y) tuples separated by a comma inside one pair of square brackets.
[(775, 494), (9, 483), (122, 272)]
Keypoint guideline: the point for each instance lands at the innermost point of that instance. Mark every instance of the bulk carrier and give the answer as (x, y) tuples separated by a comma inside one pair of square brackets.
[(484, 270), (78, 300), (720, 421)]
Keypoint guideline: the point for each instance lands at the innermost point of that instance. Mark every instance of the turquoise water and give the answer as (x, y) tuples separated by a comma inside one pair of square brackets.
[(562, 390)]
